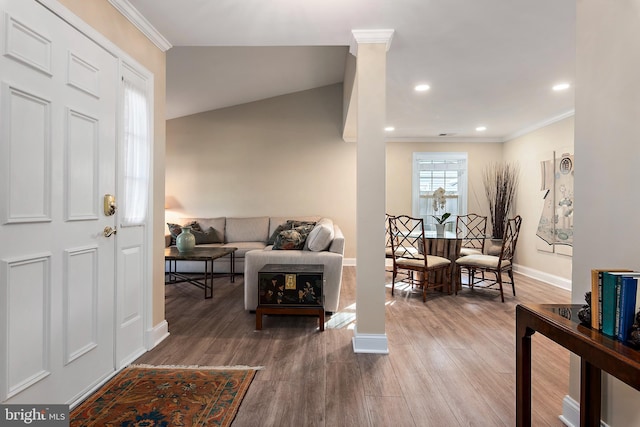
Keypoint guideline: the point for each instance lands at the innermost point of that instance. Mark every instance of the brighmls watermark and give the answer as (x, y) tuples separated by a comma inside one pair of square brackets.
[(34, 415)]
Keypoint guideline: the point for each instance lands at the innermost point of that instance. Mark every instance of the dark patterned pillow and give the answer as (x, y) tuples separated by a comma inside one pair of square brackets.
[(289, 240), (208, 236), (176, 229), (289, 225), (293, 239)]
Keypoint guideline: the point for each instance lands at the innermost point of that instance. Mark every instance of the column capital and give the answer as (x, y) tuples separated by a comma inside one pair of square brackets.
[(370, 36)]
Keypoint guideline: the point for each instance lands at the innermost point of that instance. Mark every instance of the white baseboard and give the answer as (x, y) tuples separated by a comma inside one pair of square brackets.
[(571, 413), (349, 262), (157, 334), (370, 343), (557, 281)]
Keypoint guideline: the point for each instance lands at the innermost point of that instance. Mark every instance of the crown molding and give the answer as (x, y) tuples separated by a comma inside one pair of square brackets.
[(370, 36), (539, 125), (141, 23), (390, 138)]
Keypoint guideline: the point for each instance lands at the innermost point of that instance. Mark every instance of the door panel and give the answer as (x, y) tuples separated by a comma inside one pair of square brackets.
[(131, 249), (57, 152)]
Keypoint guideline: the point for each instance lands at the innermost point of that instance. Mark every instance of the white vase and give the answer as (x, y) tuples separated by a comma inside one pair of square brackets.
[(440, 230), (186, 241)]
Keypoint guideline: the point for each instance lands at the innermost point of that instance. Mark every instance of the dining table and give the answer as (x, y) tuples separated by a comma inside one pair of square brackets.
[(448, 246)]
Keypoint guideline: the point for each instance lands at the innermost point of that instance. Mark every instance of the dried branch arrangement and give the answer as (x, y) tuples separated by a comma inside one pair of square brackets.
[(500, 185)]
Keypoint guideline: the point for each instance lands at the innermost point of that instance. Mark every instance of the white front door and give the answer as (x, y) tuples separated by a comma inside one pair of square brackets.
[(57, 161)]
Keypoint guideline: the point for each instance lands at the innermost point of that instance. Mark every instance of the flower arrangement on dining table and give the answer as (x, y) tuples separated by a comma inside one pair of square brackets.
[(439, 202)]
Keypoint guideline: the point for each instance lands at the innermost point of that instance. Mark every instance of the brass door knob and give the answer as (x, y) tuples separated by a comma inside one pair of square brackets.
[(108, 231)]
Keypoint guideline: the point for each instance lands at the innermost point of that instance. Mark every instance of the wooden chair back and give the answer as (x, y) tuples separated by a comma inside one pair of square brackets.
[(472, 228), (407, 237), (510, 238)]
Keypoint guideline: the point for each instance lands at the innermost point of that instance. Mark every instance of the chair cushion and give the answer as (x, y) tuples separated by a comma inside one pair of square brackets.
[(470, 251), (481, 261), (432, 262)]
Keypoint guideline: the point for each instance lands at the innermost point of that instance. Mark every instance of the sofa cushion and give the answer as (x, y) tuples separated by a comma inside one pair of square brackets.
[(321, 236), (247, 229)]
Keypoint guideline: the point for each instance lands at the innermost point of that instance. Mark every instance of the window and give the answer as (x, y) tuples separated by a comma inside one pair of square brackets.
[(136, 151), (434, 170)]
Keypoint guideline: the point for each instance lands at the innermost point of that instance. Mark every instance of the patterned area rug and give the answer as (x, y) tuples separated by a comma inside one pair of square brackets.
[(149, 396)]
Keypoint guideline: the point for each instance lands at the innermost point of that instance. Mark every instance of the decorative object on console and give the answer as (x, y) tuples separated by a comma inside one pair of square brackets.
[(634, 336), (584, 314), (186, 241), (500, 185)]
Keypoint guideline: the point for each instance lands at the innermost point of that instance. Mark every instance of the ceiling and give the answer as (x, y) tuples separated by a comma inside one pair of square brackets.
[(488, 62)]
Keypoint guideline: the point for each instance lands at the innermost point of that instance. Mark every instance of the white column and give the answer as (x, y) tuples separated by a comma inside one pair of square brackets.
[(369, 333)]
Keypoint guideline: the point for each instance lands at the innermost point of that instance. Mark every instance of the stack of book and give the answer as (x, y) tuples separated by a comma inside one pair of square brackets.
[(614, 301)]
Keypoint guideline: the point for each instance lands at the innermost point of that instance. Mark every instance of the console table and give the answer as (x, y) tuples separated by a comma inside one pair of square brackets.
[(291, 289), (207, 255), (560, 323)]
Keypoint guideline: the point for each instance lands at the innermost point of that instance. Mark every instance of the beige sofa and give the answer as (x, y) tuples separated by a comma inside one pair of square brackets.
[(251, 235)]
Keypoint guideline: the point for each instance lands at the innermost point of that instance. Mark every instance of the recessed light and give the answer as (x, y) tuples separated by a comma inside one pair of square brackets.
[(481, 128), (422, 88), (389, 129), (561, 86)]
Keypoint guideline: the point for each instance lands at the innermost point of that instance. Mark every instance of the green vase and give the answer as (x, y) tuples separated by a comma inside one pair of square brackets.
[(186, 241)]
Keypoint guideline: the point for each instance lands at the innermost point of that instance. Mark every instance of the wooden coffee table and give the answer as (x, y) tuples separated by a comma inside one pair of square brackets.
[(207, 255)]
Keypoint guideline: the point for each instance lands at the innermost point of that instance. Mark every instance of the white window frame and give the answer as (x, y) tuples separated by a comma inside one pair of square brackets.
[(463, 193)]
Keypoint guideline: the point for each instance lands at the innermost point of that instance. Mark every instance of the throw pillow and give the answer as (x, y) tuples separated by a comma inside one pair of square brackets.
[(176, 229), (208, 236), (289, 240), (289, 225), (293, 239), (277, 231), (321, 236)]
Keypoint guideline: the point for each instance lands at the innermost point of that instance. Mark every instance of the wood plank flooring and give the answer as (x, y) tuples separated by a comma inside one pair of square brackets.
[(451, 361)]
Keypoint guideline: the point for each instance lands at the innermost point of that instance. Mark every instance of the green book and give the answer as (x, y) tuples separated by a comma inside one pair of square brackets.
[(611, 282)]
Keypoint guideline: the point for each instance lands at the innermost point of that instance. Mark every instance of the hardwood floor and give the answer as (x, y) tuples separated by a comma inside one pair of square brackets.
[(451, 360)]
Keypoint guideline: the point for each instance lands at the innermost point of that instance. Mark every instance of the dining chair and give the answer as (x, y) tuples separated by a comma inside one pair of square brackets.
[(472, 228), (408, 246), (388, 251), (497, 264)]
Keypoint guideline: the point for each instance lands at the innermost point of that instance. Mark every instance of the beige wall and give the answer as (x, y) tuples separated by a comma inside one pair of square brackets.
[(528, 151), (277, 157), (607, 152), (110, 23), (400, 166)]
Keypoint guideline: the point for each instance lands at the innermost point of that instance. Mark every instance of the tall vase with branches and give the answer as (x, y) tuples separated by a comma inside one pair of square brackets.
[(500, 185)]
